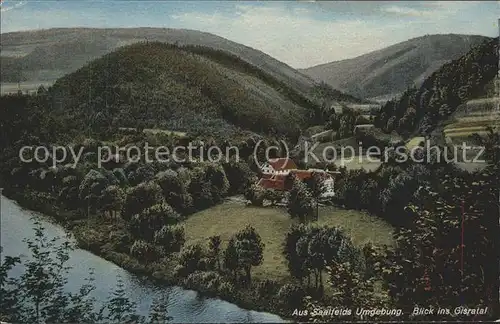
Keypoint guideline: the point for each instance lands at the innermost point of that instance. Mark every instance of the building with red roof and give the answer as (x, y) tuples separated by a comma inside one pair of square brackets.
[(275, 172)]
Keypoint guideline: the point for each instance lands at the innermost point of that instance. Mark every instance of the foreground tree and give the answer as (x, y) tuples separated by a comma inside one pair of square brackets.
[(39, 294), (310, 249), (445, 257)]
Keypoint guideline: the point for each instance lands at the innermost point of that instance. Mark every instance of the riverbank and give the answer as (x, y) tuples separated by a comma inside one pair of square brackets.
[(184, 306), (103, 238)]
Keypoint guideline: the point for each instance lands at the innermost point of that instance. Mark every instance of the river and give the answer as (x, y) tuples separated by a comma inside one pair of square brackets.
[(183, 305)]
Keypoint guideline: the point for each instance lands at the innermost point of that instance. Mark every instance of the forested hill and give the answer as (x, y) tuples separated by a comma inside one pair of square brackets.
[(194, 89), (42, 56), (420, 109), (45, 55), (390, 70)]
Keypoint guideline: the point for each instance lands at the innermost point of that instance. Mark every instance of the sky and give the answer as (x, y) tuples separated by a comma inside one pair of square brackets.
[(299, 33)]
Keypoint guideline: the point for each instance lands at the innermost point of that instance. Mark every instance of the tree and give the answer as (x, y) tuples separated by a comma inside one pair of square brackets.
[(143, 251), (290, 297), (231, 258), (316, 257), (348, 288), (215, 174), (121, 177), (256, 194), (239, 175), (112, 200), (158, 313), (147, 222), (38, 294), (491, 144), (215, 248), (309, 249), (91, 188), (201, 189), (141, 197), (295, 261), (68, 194), (175, 191), (120, 308), (316, 185), (170, 238), (249, 249), (429, 253), (143, 173), (190, 258), (441, 93), (273, 195), (300, 201)]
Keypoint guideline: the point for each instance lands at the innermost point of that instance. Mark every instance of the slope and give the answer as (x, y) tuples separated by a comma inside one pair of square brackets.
[(193, 89), (471, 76), (391, 70), (44, 55)]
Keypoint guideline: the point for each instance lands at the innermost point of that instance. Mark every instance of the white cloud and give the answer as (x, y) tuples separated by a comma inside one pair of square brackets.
[(17, 5), (293, 37), (405, 11), (299, 34), (300, 39)]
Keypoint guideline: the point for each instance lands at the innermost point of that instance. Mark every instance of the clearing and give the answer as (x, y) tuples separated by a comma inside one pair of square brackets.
[(272, 223), (474, 117), (155, 131)]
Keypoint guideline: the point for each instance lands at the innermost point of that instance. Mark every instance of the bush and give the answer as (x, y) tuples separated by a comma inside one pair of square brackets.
[(274, 196), (180, 271), (266, 288), (205, 264), (255, 194), (290, 296), (143, 251), (190, 257), (120, 240), (205, 282), (227, 290), (171, 238)]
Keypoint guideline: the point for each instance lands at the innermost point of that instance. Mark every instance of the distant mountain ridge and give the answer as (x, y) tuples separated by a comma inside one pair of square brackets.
[(43, 56), (49, 54), (392, 70)]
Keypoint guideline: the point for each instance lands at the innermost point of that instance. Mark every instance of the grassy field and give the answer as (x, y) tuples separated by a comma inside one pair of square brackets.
[(363, 107), (474, 121), (272, 223), (155, 131), (467, 128), (415, 142), (12, 88), (474, 117), (324, 152)]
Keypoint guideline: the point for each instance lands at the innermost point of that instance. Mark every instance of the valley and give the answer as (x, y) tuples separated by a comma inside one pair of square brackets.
[(262, 227)]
